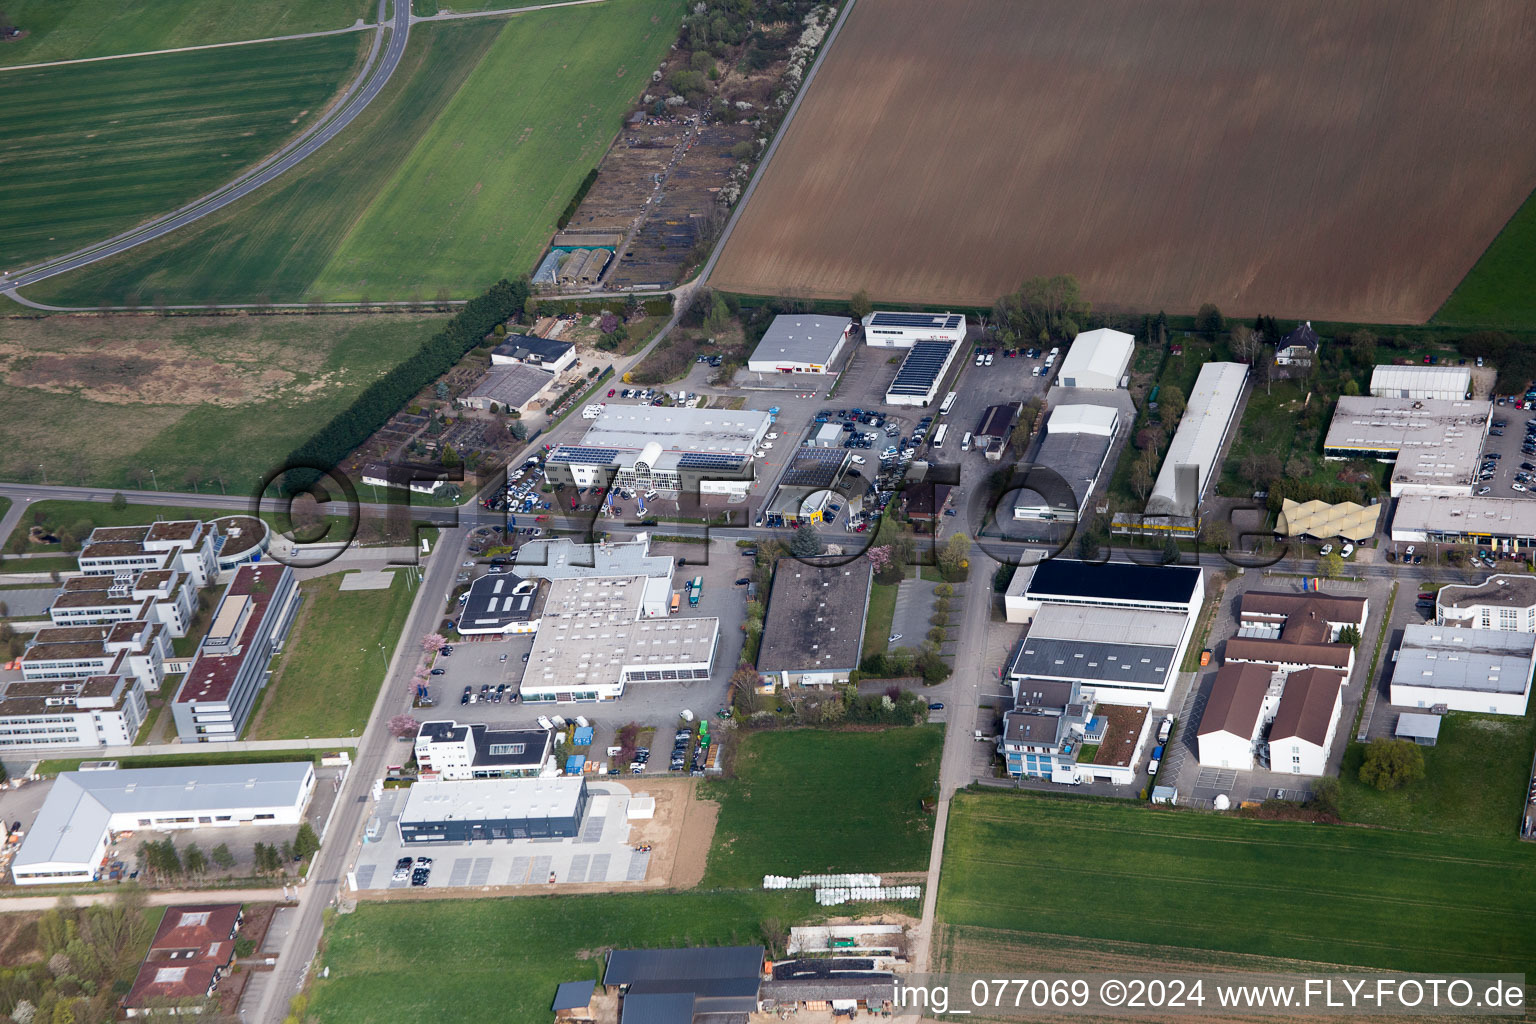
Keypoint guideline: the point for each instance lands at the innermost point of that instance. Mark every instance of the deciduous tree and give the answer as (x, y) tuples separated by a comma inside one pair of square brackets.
[(1391, 764)]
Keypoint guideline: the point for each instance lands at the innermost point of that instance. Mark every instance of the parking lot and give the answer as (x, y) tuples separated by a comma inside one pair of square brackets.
[(601, 854), (1503, 482)]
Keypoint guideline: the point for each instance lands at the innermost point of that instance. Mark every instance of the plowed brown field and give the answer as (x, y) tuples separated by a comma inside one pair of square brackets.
[(1338, 161)]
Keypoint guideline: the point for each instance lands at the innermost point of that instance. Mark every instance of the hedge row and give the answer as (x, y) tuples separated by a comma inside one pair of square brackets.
[(581, 193), (371, 409)]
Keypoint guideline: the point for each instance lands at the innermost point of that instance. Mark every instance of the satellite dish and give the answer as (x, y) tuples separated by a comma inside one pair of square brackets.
[(1222, 803)]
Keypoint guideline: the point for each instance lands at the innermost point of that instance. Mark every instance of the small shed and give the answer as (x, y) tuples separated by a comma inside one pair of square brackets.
[(573, 1000), (583, 737), (1422, 729), (575, 764), (641, 806), (1165, 795)]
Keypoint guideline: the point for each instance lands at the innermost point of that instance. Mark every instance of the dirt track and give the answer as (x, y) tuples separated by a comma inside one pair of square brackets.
[(1329, 161)]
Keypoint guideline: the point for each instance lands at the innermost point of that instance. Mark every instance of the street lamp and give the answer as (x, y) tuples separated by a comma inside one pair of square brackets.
[(154, 480)]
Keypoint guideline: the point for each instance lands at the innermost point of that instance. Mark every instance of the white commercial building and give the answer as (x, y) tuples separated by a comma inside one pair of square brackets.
[(671, 449), (592, 642), (1299, 712), (74, 828), (1434, 443), (903, 330), (1506, 524), (1481, 670), (1450, 383), (800, 343), (1076, 447), (185, 546), (564, 559), (448, 750), (921, 373), (1506, 602), (159, 595), (1190, 464), (1097, 360), (1118, 629)]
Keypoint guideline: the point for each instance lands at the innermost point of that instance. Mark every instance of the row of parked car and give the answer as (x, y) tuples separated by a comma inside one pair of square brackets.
[(418, 871)]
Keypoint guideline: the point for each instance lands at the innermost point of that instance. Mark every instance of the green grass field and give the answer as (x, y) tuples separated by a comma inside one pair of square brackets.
[(497, 960), (1498, 292), (451, 179), (71, 29), (327, 678), (1375, 898), (63, 515), (89, 150), (1474, 780), (477, 198), (198, 400), (812, 801)]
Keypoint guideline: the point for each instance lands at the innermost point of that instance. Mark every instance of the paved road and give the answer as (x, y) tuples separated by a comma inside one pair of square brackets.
[(369, 83), (327, 877)]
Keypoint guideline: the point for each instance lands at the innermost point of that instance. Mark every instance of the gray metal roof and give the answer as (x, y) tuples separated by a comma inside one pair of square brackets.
[(657, 1008), (493, 605), (801, 338), (677, 428), (563, 559), (573, 994), (628, 966), (1078, 458), (81, 804), (1128, 664), (1414, 727), (1451, 658)]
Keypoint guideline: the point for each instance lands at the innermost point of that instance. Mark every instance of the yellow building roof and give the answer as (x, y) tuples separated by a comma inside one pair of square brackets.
[(1319, 519)]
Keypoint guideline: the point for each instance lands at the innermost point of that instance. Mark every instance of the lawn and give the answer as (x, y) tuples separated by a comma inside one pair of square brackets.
[(496, 960), (89, 150), (1497, 292), (80, 517), (71, 29), (1474, 780), (274, 243), (877, 624), (813, 801), (327, 678), (478, 195), (205, 402), (451, 179), (1375, 898)]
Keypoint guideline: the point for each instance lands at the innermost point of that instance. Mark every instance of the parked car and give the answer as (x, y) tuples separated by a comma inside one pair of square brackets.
[(937, 705), (420, 876), (439, 672)]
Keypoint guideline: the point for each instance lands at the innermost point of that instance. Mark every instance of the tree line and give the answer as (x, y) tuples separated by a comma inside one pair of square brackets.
[(386, 396)]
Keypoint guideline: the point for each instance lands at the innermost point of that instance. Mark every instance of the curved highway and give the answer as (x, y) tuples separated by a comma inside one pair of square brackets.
[(362, 92)]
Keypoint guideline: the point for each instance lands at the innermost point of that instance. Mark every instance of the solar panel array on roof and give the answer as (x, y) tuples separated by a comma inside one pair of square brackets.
[(924, 362), (577, 453), (709, 460), (938, 321), (814, 467)]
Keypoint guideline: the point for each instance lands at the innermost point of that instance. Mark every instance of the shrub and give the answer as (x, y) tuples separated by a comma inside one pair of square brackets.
[(1391, 764)]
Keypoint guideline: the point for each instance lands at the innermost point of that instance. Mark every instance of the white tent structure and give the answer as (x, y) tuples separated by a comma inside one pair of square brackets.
[(1097, 360), (1191, 459)]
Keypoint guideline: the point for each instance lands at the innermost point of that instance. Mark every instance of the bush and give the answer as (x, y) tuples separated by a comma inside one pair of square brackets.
[(1391, 764)]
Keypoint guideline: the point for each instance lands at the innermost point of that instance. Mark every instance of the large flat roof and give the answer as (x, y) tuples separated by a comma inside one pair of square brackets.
[(78, 808), (492, 799), (1110, 625), (561, 558), (1504, 590), (677, 429), (1122, 581), (1124, 664), (795, 338), (920, 370), (213, 675), (1434, 441), (511, 384), (1486, 517), (815, 618), (1452, 658), (1198, 439), (1078, 458)]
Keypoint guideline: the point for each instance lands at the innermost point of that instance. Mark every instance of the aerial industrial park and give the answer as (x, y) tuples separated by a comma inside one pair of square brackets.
[(496, 526)]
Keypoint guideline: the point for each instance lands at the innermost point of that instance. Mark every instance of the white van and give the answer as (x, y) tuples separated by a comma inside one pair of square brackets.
[(965, 442)]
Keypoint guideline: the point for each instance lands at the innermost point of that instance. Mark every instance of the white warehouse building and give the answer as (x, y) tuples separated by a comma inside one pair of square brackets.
[(797, 343), (1452, 383), (1482, 670), (1097, 360), (1191, 460), (903, 330)]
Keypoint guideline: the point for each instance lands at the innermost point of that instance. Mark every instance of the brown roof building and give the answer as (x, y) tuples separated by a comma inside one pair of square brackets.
[(191, 951), (1297, 631)]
